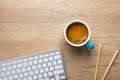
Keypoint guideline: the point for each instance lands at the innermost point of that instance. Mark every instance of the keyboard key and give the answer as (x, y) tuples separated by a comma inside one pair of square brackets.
[(40, 61), (46, 78), (7, 73), (0, 70), (31, 58), (28, 68), (57, 57), (54, 63), (44, 74), (25, 60), (19, 61), (33, 67), (10, 77), (3, 65), (52, 78), (51, 68), (14, 66), (20, 75), (44, 65), (41, 71), (19, 65), (61, 71), (52, 54), (30, 63), (39, 66), (13, 72), (50, 58), (63, 77), (23, 69), (4, 69), (2, 74), (41, 56), (36, 71), (58, 66), (47, 55), (58, 72), (57, 77), (50, 73), (30, 72), (4, 78), (9, 68), (49, 64), (15, 76), (18, 70), (25, 73), (34, 77), (14, 62), (40, 76), (35, 57), (59, 61), (41, 79), (45, 59), (57, 52), (46, 69), (24, 64), (24, 78), (9, 63), (29, 78), (35, 62)]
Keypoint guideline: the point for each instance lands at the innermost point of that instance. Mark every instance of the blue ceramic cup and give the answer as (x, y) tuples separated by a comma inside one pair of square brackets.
[(87, 42)]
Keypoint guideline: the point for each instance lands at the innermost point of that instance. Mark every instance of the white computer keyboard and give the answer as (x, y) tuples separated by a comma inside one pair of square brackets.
[(41, 66)]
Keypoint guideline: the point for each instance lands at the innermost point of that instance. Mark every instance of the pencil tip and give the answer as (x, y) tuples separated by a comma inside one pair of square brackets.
[(100, 44), (117, 50)]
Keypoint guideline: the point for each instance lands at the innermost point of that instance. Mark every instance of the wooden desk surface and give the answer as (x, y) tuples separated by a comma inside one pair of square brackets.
[(30, 26)]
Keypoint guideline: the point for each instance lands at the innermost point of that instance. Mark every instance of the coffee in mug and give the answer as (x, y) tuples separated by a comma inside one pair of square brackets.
[(77, 33)]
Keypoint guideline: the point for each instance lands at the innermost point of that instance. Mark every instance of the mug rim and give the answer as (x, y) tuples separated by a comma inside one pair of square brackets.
[(82, 22)]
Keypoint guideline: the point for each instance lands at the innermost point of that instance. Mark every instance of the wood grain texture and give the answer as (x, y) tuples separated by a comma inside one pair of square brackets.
[(30, 26)]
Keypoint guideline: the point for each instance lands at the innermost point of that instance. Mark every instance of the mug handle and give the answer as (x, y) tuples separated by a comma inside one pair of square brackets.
[(90, 45)]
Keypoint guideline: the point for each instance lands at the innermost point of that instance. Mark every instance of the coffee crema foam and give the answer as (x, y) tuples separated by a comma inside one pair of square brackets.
[(77, 33)]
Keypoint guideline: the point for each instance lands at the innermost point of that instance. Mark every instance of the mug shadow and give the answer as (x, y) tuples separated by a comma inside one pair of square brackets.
[(80, 51)]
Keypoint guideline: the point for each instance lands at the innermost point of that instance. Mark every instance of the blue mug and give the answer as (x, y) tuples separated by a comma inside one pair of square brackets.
[(87, 42)]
